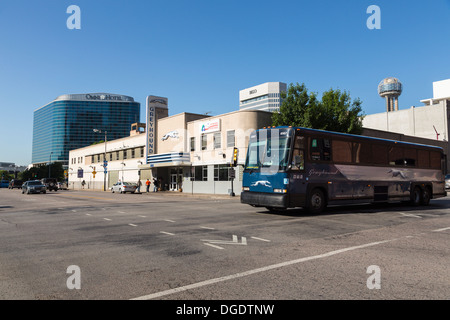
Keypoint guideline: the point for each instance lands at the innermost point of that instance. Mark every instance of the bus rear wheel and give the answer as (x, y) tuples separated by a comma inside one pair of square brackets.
[(426, 196), (416, 197), (316, 201)]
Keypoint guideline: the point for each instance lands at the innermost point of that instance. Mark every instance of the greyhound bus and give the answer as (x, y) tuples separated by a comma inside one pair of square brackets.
[(288, 167)]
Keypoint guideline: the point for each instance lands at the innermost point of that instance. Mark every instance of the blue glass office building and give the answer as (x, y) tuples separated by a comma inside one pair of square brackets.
[(69, 121)]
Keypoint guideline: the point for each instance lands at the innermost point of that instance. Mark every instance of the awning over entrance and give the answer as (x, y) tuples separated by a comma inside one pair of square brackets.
[(173, 159)]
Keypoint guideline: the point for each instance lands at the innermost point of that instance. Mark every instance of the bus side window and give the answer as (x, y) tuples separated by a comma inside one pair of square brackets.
[(320, 149), (315, 150), (435, 160), (410, 157), (298, 155), (396, 156), (342, 151), (380, 154), (424, 158), (363, 153)]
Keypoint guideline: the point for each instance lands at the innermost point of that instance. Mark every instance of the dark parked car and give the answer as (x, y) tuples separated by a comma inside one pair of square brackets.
[(34, 186), (50, 183), (15, 184)]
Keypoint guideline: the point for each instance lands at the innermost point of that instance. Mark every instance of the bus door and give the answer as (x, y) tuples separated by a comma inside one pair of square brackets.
[(297, 179)]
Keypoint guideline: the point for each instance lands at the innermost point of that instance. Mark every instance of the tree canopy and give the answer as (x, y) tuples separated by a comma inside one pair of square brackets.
[(334, 112)]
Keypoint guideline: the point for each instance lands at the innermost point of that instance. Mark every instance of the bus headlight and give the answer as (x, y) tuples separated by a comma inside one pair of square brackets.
[(245, 189), (279, 190)]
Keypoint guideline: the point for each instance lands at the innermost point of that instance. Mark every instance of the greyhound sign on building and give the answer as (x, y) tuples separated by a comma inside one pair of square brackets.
[(157, 108)]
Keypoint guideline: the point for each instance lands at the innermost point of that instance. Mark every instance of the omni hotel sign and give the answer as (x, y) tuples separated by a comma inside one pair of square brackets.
[(154, 106), (107, 97)]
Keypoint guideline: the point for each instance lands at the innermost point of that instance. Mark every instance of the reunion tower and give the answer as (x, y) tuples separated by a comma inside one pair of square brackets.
[(390, 89)]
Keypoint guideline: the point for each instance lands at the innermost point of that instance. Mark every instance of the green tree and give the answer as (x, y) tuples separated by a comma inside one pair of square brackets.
[(335, 112), (39, 172)]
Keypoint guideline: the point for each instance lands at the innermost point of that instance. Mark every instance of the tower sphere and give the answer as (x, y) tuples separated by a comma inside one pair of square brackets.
[(390, 87)]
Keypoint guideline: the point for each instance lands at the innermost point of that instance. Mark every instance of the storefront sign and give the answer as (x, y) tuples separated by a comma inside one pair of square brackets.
[(210, 126)]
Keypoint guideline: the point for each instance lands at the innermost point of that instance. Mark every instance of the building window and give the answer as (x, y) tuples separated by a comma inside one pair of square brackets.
[(217, 142), (132, 154), (201, 173), (221, 172), (117, 155), (125, 154), (110, 156), (92, 159), (231, 142), (192, 143), (142, 152), (204, 141)]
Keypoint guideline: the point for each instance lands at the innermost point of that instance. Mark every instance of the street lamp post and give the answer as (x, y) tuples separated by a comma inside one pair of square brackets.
[(105, 163), (50, 165)]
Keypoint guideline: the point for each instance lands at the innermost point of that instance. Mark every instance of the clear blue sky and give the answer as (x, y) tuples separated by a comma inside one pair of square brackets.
[(200, 53)]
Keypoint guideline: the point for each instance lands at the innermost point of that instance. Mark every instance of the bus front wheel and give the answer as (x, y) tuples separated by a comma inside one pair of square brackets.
[(316, 201)]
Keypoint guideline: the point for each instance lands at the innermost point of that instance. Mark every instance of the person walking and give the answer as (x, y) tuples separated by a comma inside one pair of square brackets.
[(147, 183), (83, 184), (155, 185)]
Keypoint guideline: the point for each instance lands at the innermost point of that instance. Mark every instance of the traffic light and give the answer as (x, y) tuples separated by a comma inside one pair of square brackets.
[(235, 157)]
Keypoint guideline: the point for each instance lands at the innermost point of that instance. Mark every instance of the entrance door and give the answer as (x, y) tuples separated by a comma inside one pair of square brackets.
[(173, 182)]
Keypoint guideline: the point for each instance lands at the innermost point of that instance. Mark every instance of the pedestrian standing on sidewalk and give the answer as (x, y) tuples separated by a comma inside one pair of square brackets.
[(155, 185), (139, 184), (147, 183)]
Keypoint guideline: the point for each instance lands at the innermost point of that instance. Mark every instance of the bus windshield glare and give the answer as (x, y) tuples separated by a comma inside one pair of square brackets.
[(269, 148)]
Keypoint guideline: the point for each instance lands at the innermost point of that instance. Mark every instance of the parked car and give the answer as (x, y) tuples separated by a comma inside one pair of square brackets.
[(123, 187), (50, 183), (447, 181), (4, 183), (15, 183), (34, 186), (62, 186)]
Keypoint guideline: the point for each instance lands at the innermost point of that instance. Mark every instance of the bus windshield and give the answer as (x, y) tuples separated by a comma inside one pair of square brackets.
[(269, 148)]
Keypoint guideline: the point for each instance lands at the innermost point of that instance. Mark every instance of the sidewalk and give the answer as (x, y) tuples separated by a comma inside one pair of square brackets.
[(170, 194)]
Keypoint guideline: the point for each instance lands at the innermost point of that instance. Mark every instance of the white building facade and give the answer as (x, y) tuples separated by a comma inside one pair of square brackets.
[(263, 97), (192, 154)]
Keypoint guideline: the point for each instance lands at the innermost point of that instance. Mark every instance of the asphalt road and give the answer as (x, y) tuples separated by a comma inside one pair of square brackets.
[(181, 247)]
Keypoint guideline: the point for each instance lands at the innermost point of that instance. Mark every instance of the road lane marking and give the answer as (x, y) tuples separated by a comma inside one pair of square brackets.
[(234, 240), (260, 239), (107, 219), (410, 215), (143, 216), (443, 229), (169, 220), (214, 246), (258, 270), (168, 233), (209, 228), (88, 214), (133, 225), (121, 211)]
